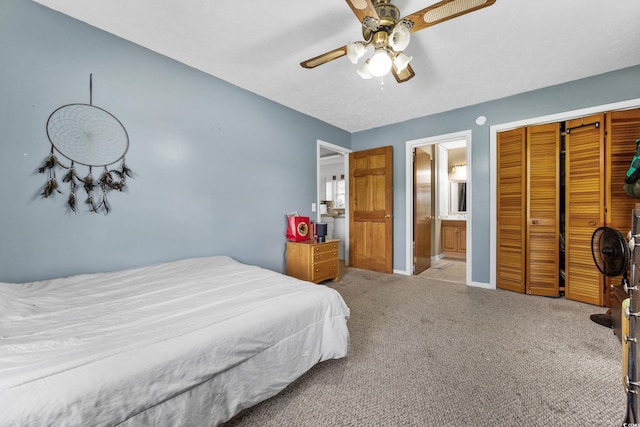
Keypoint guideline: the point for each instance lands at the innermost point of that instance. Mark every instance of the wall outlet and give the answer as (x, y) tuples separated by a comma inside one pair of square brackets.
[(313, 207)]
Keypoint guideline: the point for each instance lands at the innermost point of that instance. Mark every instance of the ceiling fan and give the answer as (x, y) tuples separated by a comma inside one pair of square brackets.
[(388, 34)]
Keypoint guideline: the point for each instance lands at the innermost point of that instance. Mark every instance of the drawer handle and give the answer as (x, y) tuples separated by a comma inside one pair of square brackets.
[(317, 270)]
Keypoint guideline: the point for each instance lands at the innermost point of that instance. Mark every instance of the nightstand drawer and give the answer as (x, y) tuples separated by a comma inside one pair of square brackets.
[(325, 256), (324, 270), (325, 247)]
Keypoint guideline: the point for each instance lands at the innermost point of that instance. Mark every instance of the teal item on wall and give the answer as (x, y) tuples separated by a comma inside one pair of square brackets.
[(634, 170), (632, 183)]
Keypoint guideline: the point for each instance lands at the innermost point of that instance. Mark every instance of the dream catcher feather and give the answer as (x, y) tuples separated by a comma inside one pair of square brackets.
[(93, 139)]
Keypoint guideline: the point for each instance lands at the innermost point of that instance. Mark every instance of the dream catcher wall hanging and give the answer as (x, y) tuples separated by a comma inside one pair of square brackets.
[(94, 139)]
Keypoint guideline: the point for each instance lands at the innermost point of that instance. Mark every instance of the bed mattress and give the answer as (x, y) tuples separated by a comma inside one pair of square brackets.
[(138, 345)]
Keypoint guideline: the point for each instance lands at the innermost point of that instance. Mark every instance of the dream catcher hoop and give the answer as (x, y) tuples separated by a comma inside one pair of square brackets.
[(92, 137)]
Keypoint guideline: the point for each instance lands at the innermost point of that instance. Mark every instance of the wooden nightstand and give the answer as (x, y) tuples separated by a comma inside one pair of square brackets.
[(314, 262)]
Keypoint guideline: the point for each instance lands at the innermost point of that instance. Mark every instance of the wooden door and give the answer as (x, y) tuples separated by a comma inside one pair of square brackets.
[(543, 210), (584, 204), (421, 210), (371, 209), (511, 207), (622, 130)]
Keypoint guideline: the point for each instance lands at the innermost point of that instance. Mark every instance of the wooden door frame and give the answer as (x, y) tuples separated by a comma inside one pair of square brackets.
[(409, 147), (345, 151), (493, 159)]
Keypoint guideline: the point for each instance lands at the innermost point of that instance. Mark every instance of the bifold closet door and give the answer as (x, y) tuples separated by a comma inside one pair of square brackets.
[(622, 130), (511, 206), (543, 210), (584, 205)]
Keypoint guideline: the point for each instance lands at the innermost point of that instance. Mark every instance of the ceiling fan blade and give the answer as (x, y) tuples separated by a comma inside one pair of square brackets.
[(443, 11), (363, 9), (325, 57), (404, 75)]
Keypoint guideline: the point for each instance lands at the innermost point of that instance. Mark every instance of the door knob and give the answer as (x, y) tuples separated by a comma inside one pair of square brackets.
[(387, 216)]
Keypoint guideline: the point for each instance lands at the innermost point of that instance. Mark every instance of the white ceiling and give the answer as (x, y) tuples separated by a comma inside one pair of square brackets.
[(511, 47)]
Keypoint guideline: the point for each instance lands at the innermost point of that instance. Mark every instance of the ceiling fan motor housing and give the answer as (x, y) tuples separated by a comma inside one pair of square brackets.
[(389, 15), (380, 39), (387, 12)]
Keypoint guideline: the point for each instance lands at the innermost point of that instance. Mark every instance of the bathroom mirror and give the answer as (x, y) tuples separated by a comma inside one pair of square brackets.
[(458, 197)]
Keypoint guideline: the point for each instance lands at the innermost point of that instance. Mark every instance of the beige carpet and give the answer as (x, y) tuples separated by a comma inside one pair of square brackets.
[(426, 352)]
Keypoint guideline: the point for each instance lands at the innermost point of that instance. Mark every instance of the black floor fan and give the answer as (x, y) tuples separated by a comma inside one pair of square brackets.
[(610, 252), (612, 256)]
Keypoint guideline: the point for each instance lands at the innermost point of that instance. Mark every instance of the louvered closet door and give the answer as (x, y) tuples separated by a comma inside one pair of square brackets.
[(585, 182), (623, 128), (543, 218), (510, 274)]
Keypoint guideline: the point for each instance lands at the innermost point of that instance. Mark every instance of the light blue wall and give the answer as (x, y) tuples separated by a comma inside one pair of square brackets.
[(216, 167), (608, 88)]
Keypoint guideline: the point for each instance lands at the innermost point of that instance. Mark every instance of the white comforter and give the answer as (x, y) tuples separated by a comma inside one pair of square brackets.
[(99, 349)]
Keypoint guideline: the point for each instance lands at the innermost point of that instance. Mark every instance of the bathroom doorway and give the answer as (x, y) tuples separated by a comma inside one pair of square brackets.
[(332, 201), (450, 219)]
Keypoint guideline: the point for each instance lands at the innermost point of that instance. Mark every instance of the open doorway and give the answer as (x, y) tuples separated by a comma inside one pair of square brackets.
[(332, 193), (450, 218)]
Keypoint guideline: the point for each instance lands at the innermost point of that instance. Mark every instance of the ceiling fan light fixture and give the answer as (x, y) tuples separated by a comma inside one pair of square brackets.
[(401, 61), (355, 51), (400, 36), (380, 63), (388, 34), (364, 72)]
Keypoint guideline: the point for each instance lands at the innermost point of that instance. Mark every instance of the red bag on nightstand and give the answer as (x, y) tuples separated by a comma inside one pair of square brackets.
[(298, 228)]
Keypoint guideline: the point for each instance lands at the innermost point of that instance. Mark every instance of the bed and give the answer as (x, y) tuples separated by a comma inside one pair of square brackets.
[(190, 342)]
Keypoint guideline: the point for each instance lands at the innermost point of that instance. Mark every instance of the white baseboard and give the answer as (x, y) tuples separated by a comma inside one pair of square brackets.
[(482, 285)]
